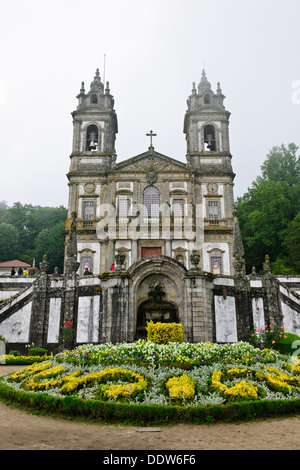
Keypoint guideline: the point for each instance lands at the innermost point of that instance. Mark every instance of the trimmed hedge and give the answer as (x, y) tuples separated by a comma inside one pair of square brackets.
[(37, 352), (164, 333), (143, 414), (287, 345)]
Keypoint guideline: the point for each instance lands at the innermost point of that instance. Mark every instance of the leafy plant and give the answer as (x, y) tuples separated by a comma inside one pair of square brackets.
[(267, 337), (66, 337)]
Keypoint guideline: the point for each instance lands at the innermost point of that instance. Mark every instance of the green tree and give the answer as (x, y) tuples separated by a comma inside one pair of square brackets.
[(50, 242), (29, 221), (293, 243), (9, 242), (282, 164), (268, 207)]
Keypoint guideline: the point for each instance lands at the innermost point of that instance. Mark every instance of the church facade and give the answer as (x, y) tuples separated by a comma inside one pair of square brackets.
[(152, 204), (152, 218)]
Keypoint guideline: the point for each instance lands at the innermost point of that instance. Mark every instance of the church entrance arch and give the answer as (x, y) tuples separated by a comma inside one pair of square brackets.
[(155, 308), (157, 292)]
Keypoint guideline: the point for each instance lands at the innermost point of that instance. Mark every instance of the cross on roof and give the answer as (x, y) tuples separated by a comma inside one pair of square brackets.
[(151, 134)]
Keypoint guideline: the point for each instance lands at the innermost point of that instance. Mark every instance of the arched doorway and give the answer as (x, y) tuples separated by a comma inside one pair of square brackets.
[(157, 303), (157, 291)]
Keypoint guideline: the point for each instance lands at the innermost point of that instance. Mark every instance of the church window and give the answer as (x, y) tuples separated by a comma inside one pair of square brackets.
[(94, 99), (213, 210), (151, 201), (178, 207), (207, 99), (92, 137), (209, 138), (123, 207), (88, 210), (216, 264), (86, 262)]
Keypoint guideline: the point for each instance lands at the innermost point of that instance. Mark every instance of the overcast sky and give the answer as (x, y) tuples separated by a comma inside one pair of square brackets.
[(154, 51)]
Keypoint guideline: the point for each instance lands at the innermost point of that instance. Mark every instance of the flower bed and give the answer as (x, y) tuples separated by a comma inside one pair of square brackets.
[(185, 355), (139, 383)]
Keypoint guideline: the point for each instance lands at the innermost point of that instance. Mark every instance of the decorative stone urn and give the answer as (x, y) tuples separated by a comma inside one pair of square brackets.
[(120, 259)]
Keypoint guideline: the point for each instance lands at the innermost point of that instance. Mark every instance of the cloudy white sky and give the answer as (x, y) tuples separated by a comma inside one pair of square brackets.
[(154, 50)]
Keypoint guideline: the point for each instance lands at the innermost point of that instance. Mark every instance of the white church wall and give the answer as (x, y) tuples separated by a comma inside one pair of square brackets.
[(291, 319), (225, 315), (15, 329), (258, 313), (54, 319), (88, 319)]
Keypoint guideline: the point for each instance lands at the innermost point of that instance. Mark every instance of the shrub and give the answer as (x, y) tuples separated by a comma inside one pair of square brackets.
[(164, 333), (267, 337), (285, 344), (37, 352), (15, 352)]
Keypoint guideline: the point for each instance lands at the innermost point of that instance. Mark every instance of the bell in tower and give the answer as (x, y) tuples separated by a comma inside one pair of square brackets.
[(92, 137)]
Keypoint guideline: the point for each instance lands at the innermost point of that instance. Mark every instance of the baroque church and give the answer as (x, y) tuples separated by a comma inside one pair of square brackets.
[(150, 238), (152, 204)]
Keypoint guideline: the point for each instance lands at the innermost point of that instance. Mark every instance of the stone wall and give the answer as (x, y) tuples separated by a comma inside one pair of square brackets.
[(104, 309)]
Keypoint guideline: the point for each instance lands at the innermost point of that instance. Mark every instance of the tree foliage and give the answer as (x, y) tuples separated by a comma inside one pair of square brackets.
[(9, 239), (27, 222), (268, 212), (50, 242)]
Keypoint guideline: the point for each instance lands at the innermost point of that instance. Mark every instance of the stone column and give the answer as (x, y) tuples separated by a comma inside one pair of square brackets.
[(39, 318), (134, 251)]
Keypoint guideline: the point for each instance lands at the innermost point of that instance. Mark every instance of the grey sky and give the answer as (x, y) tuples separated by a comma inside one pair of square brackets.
[(154, 51)]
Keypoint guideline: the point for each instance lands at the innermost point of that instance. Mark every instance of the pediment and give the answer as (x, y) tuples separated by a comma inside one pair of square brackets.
[(151, 159)]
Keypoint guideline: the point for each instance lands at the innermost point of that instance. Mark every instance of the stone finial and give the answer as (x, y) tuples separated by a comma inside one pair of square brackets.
[(44, 266), (204, 84), (267, 264), (96, 83), (239, 265)]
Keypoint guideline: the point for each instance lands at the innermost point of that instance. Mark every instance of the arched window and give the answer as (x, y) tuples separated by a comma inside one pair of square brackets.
[(151, 201), (207, 99), (94, 99), (92, 137), (209, 138)]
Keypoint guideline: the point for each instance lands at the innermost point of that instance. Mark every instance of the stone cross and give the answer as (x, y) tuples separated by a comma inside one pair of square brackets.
[(151, 134)]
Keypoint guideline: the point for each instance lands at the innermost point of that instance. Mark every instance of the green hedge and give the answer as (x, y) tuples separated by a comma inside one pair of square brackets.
[(284, 345), (143, 414), (11, 360), (37, 352)]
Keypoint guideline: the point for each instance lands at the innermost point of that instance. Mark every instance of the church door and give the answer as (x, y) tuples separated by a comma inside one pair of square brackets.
[(150, 250)]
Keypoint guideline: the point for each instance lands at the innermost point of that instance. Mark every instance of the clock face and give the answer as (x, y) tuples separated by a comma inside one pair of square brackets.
[(212, 188)]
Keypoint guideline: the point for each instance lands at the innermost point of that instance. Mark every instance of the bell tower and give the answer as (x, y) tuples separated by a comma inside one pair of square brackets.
[(93, 155), (95, 127), (206, 126)]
